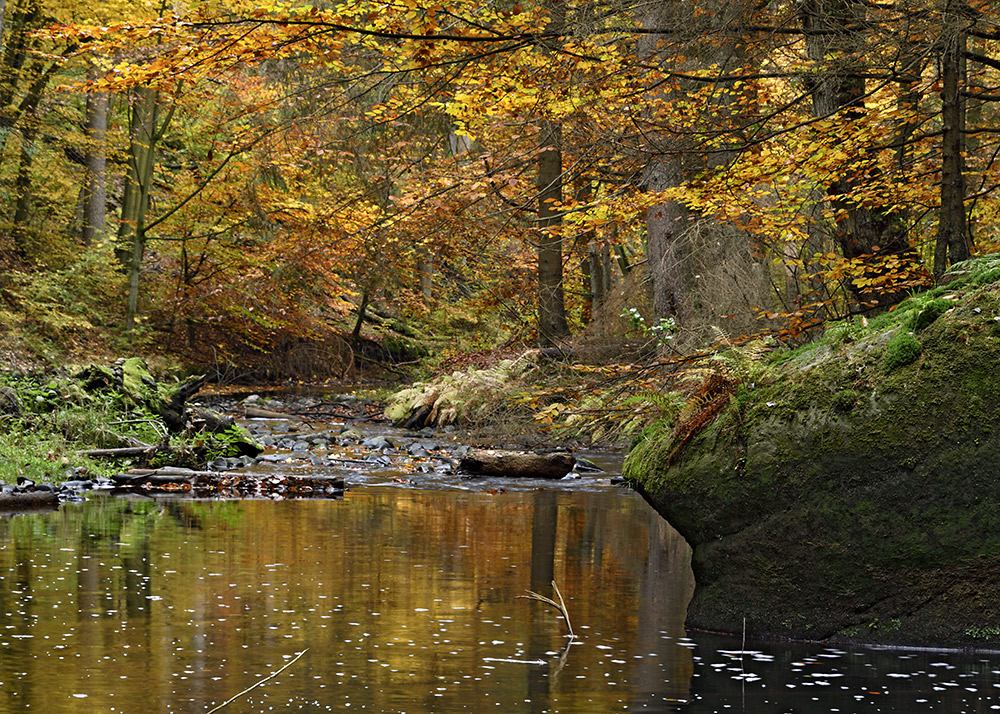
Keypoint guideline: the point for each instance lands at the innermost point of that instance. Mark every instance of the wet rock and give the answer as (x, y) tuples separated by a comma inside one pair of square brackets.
[(378, 443), (77, 485), (586, 466), (14, 500), (273, 458)]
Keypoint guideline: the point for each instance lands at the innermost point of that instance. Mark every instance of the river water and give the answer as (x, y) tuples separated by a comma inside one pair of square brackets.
[(406, 600)]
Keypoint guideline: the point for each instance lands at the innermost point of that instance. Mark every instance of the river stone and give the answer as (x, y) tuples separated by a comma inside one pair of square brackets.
[(378, 443), (9, 402), (871, 518)]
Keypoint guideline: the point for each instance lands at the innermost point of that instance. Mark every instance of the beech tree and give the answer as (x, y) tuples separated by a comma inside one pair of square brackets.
[(827, 135)]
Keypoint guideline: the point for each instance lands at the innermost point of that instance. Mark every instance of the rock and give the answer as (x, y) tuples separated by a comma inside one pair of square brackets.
[(10, 404), (378, 443), (845, 499), (416, 450)]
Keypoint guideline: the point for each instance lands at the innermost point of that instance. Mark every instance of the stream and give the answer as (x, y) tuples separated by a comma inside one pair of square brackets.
[(406, 596)]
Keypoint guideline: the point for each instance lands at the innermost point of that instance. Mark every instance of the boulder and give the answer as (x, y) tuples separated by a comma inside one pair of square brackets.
[(852, 495)]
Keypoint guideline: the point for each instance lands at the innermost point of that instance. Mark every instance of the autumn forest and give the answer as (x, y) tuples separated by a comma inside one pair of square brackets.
[(223, 179)]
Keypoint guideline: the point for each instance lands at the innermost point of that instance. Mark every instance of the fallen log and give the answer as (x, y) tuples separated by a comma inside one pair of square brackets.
[(14, 501), (255, 413), (124, 452), (518, 464)]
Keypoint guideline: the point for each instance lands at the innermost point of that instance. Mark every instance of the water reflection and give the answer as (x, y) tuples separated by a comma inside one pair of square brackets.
[(406, 600)]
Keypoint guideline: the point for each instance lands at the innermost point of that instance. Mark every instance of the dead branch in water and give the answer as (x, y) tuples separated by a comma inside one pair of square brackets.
[(560, 606), (254, 686)]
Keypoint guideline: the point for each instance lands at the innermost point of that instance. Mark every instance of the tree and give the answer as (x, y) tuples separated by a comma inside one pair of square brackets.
[(806, 132)]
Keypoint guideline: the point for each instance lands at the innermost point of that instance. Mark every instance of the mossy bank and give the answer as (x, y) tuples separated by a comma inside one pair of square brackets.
[(855, 492)]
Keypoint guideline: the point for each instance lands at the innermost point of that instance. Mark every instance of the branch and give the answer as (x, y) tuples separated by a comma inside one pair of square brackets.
[(560, 606), (981, 59), (268, 678)]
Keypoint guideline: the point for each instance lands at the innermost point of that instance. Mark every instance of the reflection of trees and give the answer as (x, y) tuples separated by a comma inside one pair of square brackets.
[(544, 521), (663, 596), (244, 583)]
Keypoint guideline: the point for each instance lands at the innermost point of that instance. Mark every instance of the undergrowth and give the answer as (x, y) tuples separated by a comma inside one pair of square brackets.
[(45, 424)]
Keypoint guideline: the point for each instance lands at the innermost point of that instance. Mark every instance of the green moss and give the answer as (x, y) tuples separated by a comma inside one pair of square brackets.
[(903, 349), (930, 311), (851, 497), (845, 400)]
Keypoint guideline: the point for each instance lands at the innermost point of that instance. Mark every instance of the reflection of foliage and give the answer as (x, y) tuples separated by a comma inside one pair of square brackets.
[(213, 513)]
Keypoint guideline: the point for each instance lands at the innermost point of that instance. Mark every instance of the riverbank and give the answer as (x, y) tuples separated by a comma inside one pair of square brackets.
[(848, 490)]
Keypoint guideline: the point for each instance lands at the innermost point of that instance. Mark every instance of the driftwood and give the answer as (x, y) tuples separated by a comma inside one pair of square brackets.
[(255, 413), (518, 464), (174, 412), (14, 501), (209, 420), (226, 484), (124, 452)]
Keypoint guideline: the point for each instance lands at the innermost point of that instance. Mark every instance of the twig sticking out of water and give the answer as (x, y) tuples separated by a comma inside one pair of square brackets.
[(267, 678), (560, 606)]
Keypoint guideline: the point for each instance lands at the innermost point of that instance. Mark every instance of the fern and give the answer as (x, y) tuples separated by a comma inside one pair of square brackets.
[(740, 369), (668, 404)]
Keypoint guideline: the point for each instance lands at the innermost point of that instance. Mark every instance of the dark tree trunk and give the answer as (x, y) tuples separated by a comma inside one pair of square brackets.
[(833, 39), (552, 326), (952, 244)]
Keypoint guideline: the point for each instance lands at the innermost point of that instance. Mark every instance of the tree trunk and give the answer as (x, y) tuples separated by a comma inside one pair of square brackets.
[(356, 332), (552, 326), (95, 203), (833, 40), (135, 199), (3, 13), (425, 271), (952, 243), (22, 190)]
